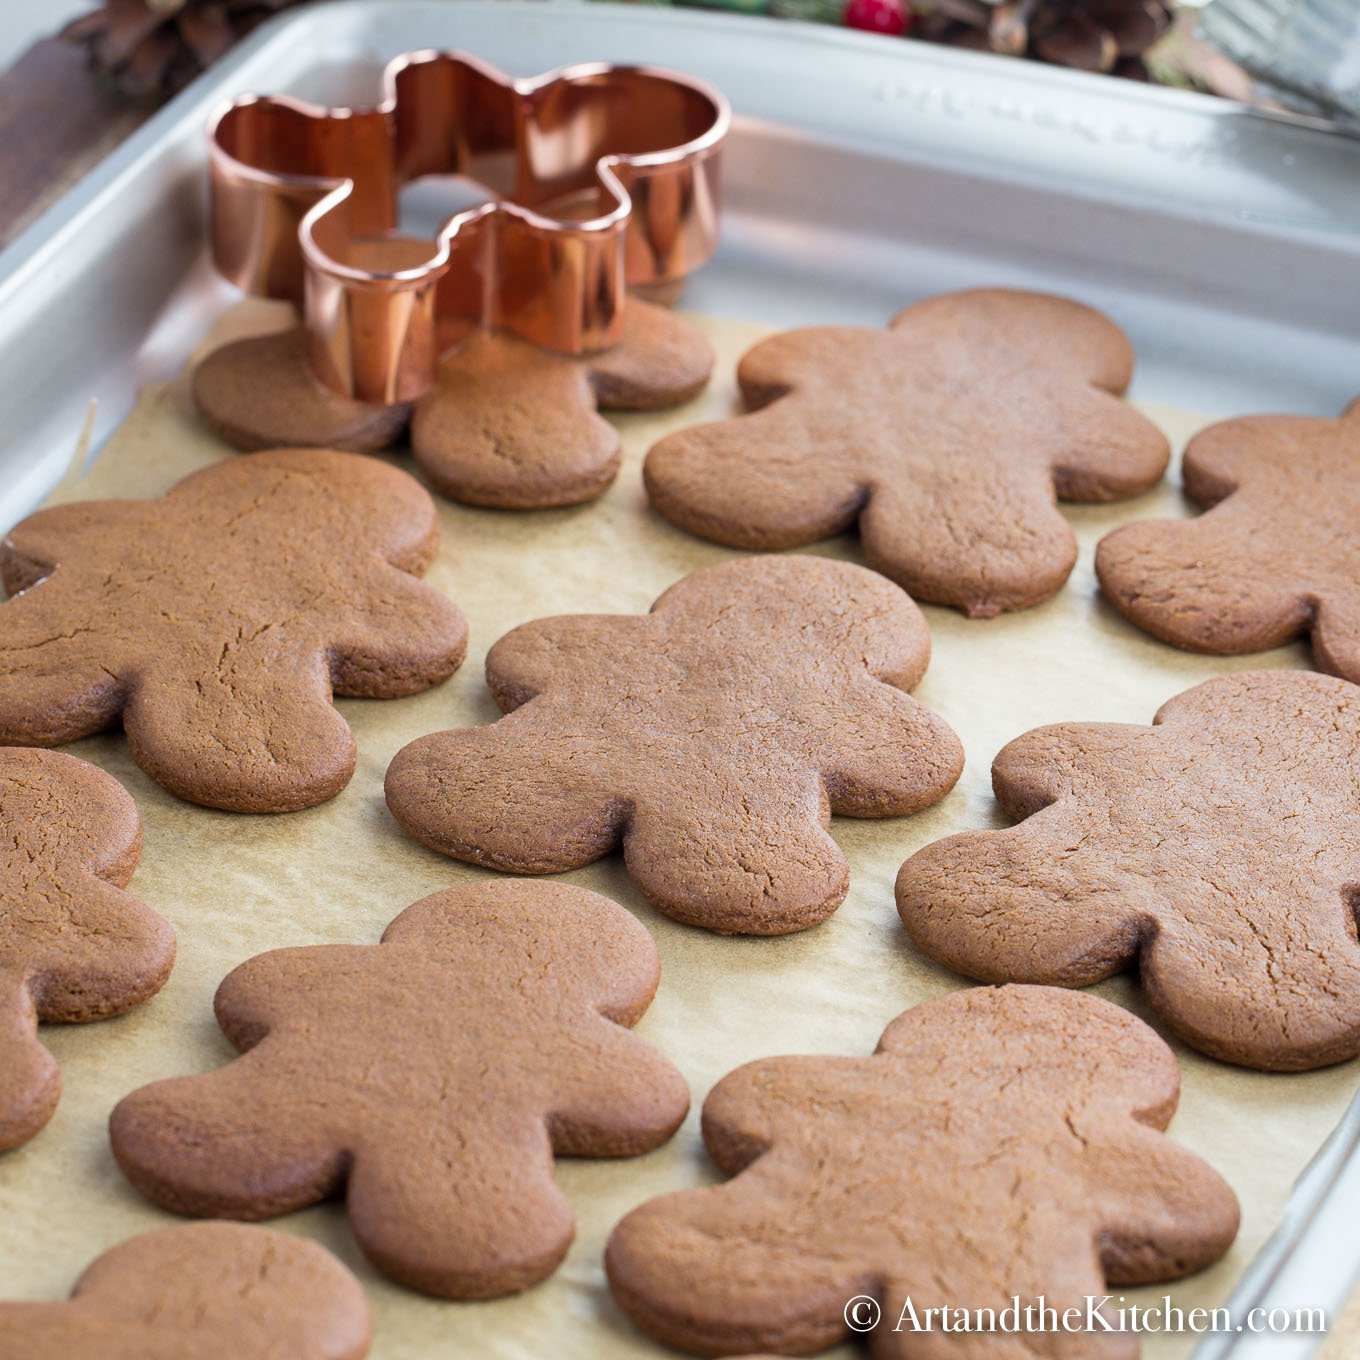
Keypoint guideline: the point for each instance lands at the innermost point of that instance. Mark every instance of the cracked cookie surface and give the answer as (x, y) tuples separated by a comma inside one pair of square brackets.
[(432, 1078), (200, 1291), (945, 439), (999, 1142), (1215, 851), (711, 739), (217, 622), (73, 945), (1274, 557)]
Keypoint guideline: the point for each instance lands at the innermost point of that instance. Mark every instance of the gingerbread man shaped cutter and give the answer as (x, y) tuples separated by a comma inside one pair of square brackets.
[(599, 178)]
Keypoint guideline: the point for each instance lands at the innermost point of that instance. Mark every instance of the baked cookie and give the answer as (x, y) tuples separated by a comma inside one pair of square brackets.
[(514, 426), (712, 739), (998, 1143), (199, 1291), (946, 438), (259, 393), (1275, 557), (507, 424), (218, 620), (73, 945), (1215, 851), (433, 1077)]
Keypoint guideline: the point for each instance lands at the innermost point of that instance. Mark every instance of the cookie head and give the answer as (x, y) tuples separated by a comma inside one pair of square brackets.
[(711, 740), (218, 621), (431, 1078), (73, 945), (517, 427), (1000, 1142), (945, 439), (1273, 558), (201, 1291), (1215, 851)]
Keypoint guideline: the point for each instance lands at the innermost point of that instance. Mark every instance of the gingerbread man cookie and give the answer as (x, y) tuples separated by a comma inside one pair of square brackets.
[(73, 945), (946, 437), (712, 739), (433, 1077), (218, 621), (199, 1291), (999, 1143), (1274, 558), (507, 424), (1215, 851)]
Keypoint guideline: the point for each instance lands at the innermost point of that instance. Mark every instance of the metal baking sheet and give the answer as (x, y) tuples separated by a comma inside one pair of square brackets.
[(861, 174)]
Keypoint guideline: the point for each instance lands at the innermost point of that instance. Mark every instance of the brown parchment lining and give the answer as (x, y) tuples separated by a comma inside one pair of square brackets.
[(235, 885)]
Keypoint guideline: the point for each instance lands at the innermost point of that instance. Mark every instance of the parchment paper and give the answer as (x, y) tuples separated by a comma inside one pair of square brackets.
[(236, 885)]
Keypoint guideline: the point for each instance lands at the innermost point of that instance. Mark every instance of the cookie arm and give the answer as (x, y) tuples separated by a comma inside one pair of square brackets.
[(406, 638), (30, 1084), (1202, 584), (530, 659), (660, 361), (509, 796), (1027, 904), (778, 478), (108, 953), (1165, 1213), (1107, 450), (729, 1269), (239, 1142), (889, 756), (614, 1096)]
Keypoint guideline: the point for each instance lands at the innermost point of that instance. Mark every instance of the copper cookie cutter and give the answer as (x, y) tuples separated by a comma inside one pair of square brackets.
[(599, 178)]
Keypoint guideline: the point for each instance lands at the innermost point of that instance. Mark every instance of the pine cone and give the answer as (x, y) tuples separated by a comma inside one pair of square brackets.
[(1093, 35), (148, 49)]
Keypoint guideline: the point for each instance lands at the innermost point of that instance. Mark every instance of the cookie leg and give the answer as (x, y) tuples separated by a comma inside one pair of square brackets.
[(969, 543), (254, 733), (1336, 635), (52, 690), (1275, 991), (30, 1084), (750, 858), (461, 1212), (1200, 584)]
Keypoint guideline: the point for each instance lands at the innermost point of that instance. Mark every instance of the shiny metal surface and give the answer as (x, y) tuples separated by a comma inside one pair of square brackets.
[(598, 178), (860, 175)]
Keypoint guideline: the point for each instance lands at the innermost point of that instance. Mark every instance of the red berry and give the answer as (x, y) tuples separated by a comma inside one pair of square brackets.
[(878, 16)]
